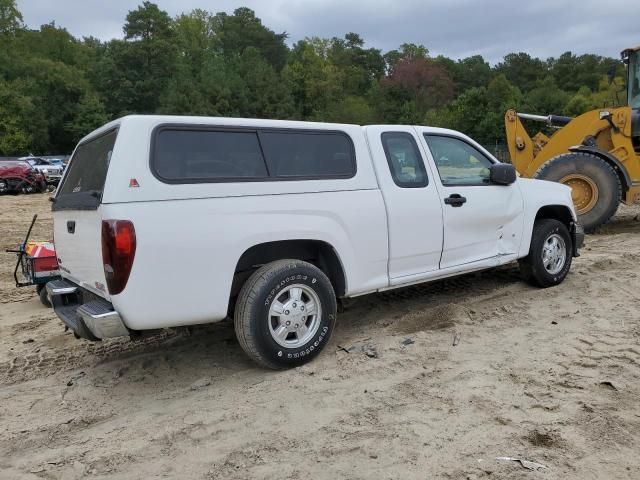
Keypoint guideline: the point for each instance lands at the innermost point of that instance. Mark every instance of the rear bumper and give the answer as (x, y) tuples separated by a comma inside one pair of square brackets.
[(577, 235), (86, 314)]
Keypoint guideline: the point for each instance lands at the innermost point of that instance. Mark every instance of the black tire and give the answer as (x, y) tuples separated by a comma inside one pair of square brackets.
[(44, 296), (532, 266), (252, 316), (599, 171)]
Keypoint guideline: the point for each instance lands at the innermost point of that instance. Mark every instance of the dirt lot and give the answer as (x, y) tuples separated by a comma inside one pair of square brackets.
[(550, 376)]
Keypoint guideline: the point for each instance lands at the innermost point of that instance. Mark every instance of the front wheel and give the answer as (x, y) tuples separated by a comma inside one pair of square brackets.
[(285, 314), (550, 255)]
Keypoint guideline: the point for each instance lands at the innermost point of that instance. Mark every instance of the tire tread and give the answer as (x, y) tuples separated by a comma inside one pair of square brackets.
[(527, 267), (246, 303)]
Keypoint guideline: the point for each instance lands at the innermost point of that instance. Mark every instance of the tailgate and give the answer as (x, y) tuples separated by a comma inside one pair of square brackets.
[(77, 220), (77, 237)]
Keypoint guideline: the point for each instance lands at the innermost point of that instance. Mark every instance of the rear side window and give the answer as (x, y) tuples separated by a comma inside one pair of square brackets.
[(202, 155), (308, 155), (84, 182), (404, 159), (199, 155)]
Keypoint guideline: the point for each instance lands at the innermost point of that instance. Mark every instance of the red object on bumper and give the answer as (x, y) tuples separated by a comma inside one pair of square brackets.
[(43, 256)]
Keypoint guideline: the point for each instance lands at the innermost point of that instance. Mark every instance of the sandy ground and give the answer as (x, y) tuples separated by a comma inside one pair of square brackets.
[(550, 376)]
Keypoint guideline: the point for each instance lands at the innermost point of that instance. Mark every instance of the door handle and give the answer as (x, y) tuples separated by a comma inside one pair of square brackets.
[(455, 200)]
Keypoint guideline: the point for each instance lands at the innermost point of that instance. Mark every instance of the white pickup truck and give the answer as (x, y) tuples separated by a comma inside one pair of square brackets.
[(165, 221)]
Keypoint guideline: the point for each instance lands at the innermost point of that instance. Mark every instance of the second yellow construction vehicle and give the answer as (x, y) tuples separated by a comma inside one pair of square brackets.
[(597, 153)]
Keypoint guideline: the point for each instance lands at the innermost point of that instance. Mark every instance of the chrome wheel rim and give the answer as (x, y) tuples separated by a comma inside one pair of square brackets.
[(294, 316), (554, 254)]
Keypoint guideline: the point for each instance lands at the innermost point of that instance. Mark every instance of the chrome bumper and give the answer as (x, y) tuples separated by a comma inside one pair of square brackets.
[(87, 315)]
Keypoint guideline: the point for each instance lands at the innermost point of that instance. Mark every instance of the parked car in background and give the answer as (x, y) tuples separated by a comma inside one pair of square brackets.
[(51, 170), (167, 221), (56, 161), (20, 177)]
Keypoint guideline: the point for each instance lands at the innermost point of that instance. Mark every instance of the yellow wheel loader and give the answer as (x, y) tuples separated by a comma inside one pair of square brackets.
[(597, 154)]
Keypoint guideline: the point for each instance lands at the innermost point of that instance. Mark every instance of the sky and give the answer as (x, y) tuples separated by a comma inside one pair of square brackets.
[(454, 28)]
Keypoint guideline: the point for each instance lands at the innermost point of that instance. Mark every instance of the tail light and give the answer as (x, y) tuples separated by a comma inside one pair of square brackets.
[(118, 251)]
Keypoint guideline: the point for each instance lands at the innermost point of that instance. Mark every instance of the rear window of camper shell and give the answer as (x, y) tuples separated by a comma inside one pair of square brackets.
[(84, 181)]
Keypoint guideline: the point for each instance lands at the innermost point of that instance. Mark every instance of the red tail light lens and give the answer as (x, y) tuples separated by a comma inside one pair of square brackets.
[(118, 251)]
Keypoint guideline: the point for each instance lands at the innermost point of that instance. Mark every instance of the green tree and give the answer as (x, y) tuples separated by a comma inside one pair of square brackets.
[(134, 73), (350, 110), (579, 103), (147, 22), (546, 98), (315, 82), (572, 72), (19, 121), (472, 72), (55, 88), (260, 93), (360, 67), (89, 115), (244, 30), (10, 17), (197, 48), (195, 39), (479, 111), (522, 70)]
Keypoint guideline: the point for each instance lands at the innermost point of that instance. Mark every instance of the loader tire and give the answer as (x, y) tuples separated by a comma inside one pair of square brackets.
[(596, 188)]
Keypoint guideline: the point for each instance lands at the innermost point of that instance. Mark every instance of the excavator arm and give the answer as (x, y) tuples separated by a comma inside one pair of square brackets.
[(523, 149)]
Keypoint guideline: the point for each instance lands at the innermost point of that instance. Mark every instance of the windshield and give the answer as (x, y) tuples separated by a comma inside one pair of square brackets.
[(634, 80)]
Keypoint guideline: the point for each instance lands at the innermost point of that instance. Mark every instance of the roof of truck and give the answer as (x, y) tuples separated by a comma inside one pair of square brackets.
[(153, 120), (202, 120)]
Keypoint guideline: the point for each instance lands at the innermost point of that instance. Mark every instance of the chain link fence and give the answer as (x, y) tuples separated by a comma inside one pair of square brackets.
[(500, 151)]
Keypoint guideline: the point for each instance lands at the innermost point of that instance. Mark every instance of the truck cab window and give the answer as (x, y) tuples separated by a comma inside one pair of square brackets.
[(404, 159), (458, 162)]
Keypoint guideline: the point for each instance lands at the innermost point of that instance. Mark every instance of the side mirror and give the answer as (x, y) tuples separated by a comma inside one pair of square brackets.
[(502, 174)]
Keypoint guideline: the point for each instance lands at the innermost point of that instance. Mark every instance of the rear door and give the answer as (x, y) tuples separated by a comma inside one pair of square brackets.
[(481, 220), (76, 215), (414, 212)]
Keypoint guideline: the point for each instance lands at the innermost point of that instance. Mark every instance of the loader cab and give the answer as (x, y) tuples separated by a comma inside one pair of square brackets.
[(631, 57)]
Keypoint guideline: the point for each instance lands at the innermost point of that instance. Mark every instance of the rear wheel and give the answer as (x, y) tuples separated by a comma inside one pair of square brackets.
[(550, 255), (285, 314), (595, 186), (44, 295)]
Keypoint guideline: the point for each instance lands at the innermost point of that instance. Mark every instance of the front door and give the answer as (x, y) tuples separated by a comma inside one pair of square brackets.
[(481, 220)]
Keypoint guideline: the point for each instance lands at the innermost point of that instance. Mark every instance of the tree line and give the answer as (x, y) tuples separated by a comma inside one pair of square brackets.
[(55, 88)]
